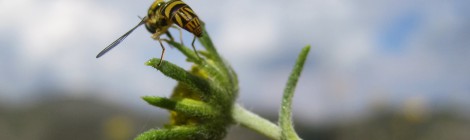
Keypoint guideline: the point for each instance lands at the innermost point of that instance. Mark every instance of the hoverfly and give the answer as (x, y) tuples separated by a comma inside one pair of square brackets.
[(161, 16)]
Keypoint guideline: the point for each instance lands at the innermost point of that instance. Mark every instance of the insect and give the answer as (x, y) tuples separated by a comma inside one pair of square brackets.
[(161, 16)]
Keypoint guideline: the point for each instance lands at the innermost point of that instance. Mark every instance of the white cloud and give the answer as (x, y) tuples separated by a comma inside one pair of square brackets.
[(249, 39), (50, 27), (53, 37), (250, 31)]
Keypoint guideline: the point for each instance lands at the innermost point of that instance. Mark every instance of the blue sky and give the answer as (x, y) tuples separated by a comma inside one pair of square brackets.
[(363, 53)]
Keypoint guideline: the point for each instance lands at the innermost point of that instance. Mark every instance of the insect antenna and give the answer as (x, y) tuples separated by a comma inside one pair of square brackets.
[(115, 43)]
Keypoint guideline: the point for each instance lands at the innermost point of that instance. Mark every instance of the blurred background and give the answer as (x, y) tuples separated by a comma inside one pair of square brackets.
[(378, 70)]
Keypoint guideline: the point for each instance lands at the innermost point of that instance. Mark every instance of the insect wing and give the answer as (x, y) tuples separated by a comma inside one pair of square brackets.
[(115, 43)]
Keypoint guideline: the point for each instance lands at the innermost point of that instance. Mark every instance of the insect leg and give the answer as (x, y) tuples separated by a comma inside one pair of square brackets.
[(156, 36), (181, 34), (163, 52), (194, 48)]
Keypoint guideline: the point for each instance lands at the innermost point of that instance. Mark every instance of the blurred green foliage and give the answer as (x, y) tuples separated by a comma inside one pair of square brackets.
[(54, 119)]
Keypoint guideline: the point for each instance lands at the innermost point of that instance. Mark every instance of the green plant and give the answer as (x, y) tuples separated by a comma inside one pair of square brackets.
[(203, 105)]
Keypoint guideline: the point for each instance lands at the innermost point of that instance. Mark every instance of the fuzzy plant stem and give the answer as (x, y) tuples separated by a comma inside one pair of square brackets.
[(285, 130), (285, 116), (254, 122)]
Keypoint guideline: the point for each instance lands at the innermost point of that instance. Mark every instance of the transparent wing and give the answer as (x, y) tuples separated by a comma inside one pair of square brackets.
[(115, 43)]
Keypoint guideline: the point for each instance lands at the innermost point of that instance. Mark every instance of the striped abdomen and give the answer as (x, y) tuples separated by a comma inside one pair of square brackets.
[(182, 15)]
